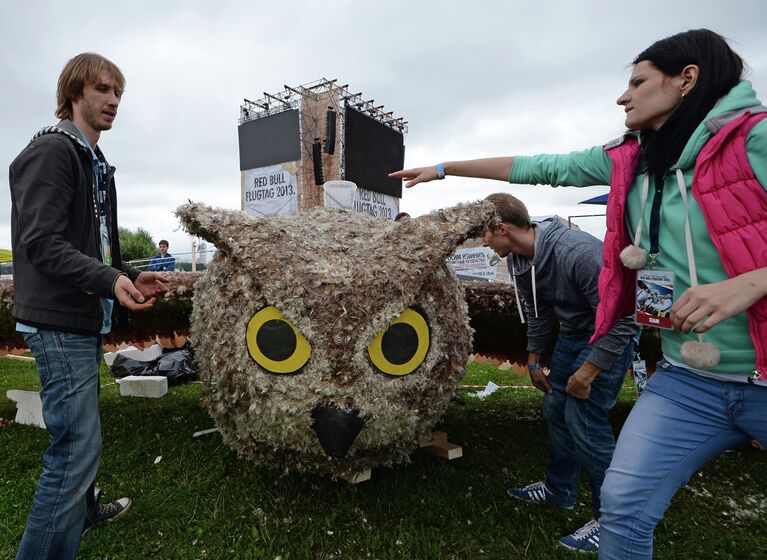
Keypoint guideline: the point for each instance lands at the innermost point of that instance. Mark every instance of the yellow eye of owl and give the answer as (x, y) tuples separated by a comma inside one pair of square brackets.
[(402, 347), (275, 343)]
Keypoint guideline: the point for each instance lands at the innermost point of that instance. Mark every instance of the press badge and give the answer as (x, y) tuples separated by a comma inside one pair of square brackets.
[(639, 369), (106, 246), (654, 298)]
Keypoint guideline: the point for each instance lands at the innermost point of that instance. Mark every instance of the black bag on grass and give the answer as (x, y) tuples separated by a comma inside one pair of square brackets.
[(176, 365)]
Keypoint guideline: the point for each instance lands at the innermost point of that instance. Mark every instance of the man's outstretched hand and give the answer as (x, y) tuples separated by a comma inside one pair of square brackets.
[(141, 295), (150, 284)]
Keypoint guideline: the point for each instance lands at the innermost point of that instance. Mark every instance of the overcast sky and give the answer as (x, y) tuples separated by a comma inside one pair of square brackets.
[(473, 79)]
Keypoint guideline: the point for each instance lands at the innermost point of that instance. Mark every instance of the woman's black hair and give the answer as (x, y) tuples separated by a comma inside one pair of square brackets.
[(720, 70)]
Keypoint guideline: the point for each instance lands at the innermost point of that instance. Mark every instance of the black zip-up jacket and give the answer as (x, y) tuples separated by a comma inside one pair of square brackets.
[(58, 273)]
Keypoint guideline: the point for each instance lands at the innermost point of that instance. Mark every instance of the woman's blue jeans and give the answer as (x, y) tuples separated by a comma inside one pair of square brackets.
[(680, 422), (579, 430), (68, 365)]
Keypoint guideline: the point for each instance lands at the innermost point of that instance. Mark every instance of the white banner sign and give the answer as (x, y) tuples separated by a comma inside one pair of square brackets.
[(375, 204), (269, 190), (477, 263)]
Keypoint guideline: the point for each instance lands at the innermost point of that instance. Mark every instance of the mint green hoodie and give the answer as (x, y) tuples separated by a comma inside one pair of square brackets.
[(593, 167)]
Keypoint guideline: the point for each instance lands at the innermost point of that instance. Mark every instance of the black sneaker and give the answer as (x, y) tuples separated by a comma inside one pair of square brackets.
[(108, 513)]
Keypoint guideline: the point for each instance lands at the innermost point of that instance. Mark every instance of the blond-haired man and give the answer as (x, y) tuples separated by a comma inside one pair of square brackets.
[(67, 274)]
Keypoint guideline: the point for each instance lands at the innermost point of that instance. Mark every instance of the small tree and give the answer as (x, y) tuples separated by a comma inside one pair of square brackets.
[(136, 244)]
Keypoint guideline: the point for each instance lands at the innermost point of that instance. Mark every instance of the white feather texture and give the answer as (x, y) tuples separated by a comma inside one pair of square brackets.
[(634, 257), (700, 355)]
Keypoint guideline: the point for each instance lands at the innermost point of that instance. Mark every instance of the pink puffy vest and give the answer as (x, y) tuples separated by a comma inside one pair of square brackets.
[(733, 203)]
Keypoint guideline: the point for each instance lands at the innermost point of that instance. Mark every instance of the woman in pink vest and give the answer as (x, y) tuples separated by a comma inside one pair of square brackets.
[(687, 211)]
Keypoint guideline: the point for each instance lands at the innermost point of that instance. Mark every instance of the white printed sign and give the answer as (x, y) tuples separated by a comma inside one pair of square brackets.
[(269, 190), (476, 263), (375, 204)]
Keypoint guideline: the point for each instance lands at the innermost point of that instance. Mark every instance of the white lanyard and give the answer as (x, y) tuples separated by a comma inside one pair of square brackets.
[(645, 194), (688, 235)]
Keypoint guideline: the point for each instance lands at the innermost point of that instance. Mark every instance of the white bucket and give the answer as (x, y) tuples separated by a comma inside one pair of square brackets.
[(339, 194)]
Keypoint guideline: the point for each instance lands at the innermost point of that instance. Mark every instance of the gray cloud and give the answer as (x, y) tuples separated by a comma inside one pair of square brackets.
[(479, 79)]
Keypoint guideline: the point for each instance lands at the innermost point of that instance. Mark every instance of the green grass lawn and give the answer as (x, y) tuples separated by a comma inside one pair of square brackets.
[(201, 501)]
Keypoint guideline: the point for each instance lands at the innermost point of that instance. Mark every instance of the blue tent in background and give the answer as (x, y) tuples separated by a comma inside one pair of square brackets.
[(601, 199)]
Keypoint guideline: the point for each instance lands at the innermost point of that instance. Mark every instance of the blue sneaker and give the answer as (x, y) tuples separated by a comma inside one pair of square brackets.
[(537, 493), (585, 539)]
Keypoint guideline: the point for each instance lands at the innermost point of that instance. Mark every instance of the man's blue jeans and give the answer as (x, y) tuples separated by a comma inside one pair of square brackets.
[(579, 430), (68, 365), (680, 422)]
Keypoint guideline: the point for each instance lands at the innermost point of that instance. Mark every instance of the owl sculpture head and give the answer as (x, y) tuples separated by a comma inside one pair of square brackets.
[(330, 341)]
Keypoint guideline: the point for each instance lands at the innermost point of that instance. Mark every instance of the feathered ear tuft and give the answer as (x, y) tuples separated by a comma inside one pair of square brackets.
[(198, 221), (433, 238), (216, 225), (421, 245)]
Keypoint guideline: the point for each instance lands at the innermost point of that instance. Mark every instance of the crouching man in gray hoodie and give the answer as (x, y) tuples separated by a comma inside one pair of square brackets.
[(555, 269)]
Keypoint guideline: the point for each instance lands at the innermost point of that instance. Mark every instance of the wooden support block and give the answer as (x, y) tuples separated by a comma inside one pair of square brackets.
[(435, 439), (439, 446), (447, 451), (358, 477)]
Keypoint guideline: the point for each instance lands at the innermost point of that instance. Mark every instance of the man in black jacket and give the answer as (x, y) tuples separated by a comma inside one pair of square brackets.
[(67, 274)]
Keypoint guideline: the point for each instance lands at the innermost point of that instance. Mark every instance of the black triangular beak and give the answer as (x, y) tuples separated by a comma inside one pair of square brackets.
[(336, 428)]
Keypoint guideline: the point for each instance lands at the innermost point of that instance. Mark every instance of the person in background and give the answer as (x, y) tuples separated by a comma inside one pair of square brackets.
[(402, 217), (162, 261), (67, 274), (688, 196)]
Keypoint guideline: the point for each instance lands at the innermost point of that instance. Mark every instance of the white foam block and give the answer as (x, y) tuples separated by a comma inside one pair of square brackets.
[(29, 407), (149, 386), (145, 355)]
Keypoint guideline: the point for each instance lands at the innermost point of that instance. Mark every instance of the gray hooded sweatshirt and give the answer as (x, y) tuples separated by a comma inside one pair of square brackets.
[(561, 283)]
